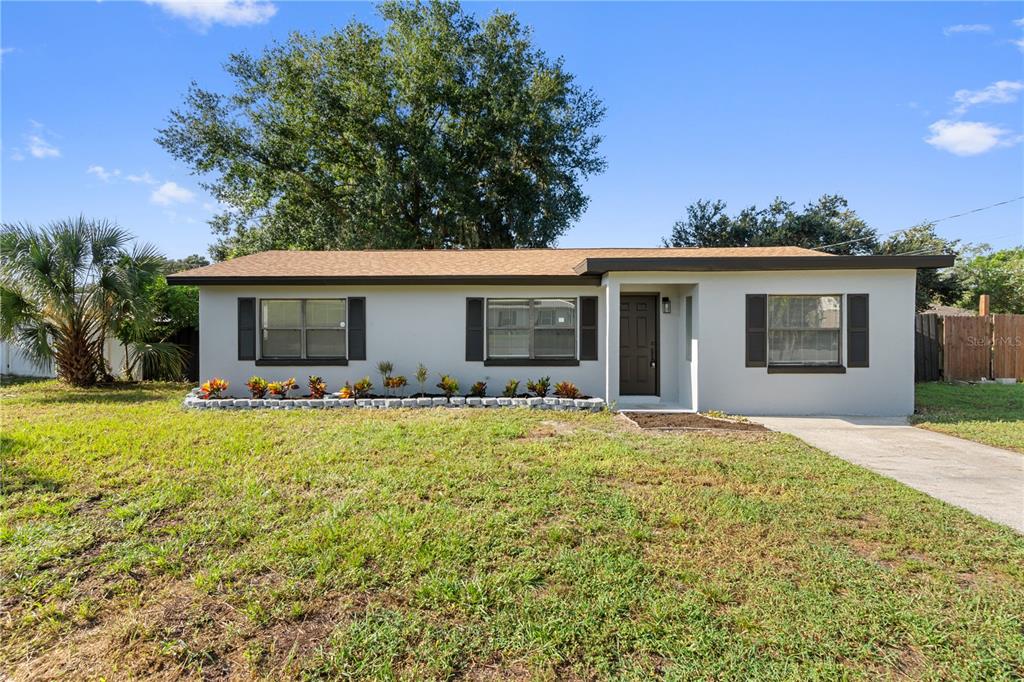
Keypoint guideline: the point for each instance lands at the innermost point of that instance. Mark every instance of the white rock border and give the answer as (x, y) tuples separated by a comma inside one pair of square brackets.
[(194, 402)]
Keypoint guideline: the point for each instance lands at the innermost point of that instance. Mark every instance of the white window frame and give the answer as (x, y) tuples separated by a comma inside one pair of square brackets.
[(304, 355), (838, 329), (531, 300)]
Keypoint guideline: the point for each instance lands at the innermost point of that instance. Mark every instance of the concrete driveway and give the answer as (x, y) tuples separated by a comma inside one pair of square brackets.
[(984, 480)]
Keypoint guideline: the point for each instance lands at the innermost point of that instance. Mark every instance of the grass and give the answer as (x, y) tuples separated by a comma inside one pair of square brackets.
[(987, 413), (139, 540)]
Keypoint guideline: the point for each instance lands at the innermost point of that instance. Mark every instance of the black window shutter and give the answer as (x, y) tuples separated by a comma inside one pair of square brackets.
[(588, 327), (857, 330), (357, 328), (757, 330), (474, 329), (247, 329)]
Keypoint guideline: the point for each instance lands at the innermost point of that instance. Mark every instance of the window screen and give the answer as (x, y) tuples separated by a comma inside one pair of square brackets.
[(303, 328), (531, 328), (804, 330)]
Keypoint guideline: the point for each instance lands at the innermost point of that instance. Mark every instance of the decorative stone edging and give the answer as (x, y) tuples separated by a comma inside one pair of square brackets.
[(193, 401)]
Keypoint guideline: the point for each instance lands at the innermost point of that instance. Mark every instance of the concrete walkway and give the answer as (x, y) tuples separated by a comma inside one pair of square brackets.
[(984, 480)]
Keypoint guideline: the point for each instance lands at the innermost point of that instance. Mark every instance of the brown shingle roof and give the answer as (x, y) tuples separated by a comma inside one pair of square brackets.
[(448, 263)]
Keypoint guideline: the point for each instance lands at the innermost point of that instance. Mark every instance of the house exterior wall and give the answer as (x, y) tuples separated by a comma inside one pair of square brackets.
[(885, 387), (406, 324), (723, 382), (427, 323)]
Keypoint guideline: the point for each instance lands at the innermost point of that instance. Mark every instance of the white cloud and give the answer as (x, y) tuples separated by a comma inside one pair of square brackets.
[(967, 28), (1000, 92), (145, 178), (968, 138), (171, 193), (40, 148), (1018, 22), (206, 13), (102, 173)]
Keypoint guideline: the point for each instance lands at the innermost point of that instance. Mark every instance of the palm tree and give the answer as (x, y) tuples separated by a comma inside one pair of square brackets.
[(65, 287)]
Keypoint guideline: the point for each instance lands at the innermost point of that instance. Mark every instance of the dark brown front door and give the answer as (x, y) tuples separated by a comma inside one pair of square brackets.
[(638, 345)]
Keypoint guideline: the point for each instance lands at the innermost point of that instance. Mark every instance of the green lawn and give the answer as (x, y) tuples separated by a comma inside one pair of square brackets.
[(986, 413), (139, 539)]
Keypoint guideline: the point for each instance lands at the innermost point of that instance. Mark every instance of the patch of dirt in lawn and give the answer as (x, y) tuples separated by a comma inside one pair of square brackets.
[(180, 632), (174, 632), (549, 429), (689, 420)]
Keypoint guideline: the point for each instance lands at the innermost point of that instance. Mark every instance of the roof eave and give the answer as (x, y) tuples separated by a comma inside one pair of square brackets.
[(184, 279), (600, 266)]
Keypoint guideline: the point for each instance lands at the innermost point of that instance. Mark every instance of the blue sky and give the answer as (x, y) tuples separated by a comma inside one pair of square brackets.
[(911, 111)]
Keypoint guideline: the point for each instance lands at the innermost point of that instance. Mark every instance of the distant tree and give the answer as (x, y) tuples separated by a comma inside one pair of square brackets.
[(933, 285), (1000, 274), (173, 265), (826, 222), (66, 286), (440, 132)]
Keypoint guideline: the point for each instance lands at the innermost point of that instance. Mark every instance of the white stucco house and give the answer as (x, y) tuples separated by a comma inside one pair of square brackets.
[(777, 330)]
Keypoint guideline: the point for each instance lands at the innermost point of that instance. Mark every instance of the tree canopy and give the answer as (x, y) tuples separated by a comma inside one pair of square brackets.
[(1000, 274), (933, 285), (441, 131), (830, 225), (827, 221)]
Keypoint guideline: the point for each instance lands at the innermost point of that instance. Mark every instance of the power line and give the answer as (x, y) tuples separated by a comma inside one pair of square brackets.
[(925, 222)]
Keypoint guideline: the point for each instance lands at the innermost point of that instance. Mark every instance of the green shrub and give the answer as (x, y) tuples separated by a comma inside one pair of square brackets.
[(511, 388)]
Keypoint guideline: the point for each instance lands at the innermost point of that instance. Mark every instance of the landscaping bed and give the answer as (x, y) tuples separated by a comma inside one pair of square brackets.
[(194, 401), (689, 420)]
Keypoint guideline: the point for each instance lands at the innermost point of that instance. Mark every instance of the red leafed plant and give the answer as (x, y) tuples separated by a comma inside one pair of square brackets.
[(539, 387), (317, 387), (257, 386), (449, 385), (566, 389), (281, 388), (478, 390), (213, 388), (395, 383), (362, 387)]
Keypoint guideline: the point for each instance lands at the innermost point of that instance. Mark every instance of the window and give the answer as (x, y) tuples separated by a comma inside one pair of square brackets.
[(303, 328), (536, 328), (803, 330)]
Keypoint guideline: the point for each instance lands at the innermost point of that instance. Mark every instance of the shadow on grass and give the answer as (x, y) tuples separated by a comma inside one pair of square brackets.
[(17, 478), (16, 380), (110, 394), (952, 402)]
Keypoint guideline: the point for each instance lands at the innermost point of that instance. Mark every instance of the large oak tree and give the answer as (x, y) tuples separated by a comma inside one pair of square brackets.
[(442, 131)]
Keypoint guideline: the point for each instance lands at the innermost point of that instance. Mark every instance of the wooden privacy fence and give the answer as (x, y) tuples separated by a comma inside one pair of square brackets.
[(1008, 346), (968, 347)]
